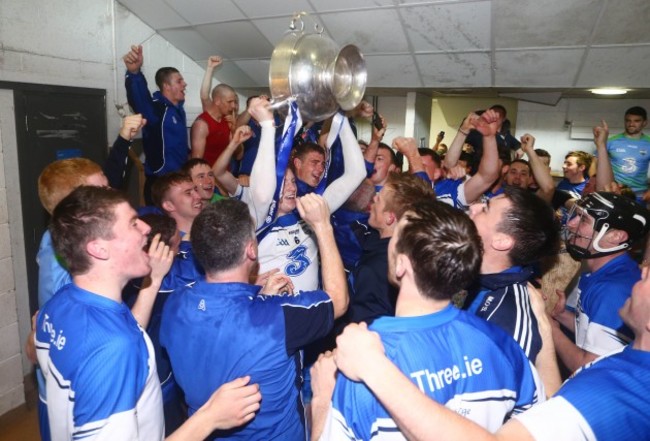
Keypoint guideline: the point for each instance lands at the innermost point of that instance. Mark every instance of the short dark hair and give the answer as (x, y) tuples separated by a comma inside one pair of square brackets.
[(443, 246), (394, 159), (220, 234), (162, 184), (435, 157), (522, 161), (191, 163), (531, 222), (504, 154), (499, 108), (159, 223), (543, 153), (86, 214), (637, 111), (301, 150), (582, 158), (163, 74), (404, 191)]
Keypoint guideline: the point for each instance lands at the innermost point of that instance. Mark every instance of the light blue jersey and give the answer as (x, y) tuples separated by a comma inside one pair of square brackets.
[(630, 159), (455, 358)]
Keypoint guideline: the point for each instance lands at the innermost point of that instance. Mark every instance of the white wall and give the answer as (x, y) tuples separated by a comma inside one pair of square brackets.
[(76, 43), (13, 280), (393, 109), (547, 123)]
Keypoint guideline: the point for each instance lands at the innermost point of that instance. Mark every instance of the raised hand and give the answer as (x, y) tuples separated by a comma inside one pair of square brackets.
[(133, 59)]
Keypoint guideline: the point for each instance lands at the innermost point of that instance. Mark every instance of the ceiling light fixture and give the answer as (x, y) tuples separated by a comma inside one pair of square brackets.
[(609, 91)]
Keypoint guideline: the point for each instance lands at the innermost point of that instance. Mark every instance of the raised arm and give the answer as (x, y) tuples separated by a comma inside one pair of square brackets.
[(206, 84), (409, 148), (456, 147), (354, 170), (540, 171), (115, 165), (160, 259), (137, 91), (604, 173), (220, 167), (263, 179), (373, 146), (313, 210), (488, 169)]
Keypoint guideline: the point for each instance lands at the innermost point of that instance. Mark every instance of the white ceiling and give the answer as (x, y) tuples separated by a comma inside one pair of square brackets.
[(544, 47)]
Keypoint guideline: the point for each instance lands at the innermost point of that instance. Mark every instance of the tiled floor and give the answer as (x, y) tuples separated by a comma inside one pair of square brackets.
[(21, 424)]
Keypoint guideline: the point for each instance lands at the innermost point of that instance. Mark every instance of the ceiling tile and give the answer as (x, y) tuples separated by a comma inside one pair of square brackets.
[(392, 71), (190, 42), (347, 28), (448, 27), (539, 68), (231, 74), (206, 11), (455, 70), (266, 8), (257, 70), (273, 29), (544, 22), (236, 40), (633, 16), (339, 5), (155, 13), (611, 67)]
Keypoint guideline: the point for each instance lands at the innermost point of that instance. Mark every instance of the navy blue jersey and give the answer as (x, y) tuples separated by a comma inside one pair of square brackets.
[(164, 137)]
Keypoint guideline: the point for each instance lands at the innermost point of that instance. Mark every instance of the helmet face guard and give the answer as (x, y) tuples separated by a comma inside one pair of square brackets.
[(596, 214)]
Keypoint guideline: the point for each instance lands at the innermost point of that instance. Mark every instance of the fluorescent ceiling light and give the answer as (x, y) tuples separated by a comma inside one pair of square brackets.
[(609, 91)]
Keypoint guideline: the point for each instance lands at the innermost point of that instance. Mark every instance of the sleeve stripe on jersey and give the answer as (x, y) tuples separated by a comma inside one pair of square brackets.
[(487, 395), (311, 305), (523, 331)]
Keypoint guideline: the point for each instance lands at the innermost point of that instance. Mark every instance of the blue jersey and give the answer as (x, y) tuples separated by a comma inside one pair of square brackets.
[(599, 328), (51, 274), (451, 192), (575, 190), (99, 369), (350, 227), (164, 138), (630, 159), (455, 358), (216, 332), (606, 400)]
